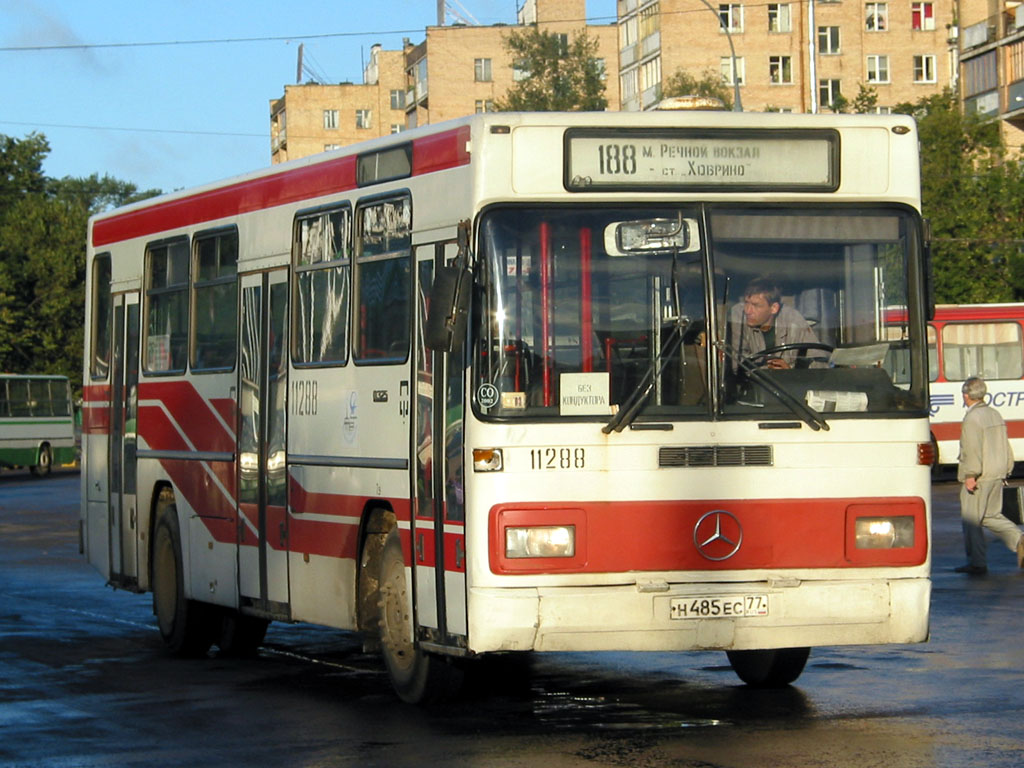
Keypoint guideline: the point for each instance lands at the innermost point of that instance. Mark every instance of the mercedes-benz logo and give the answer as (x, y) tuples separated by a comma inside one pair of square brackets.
[(718, 535)]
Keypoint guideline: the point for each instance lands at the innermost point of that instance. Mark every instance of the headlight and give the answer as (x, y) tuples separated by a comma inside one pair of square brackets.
[(541, 541), (884, 532)]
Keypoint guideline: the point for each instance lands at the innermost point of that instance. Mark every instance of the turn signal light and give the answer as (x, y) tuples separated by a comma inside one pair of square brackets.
[(926, 454), (487, 460)]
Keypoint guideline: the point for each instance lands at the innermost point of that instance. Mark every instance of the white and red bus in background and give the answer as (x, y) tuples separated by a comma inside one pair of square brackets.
[(473, 389), (984, 340)]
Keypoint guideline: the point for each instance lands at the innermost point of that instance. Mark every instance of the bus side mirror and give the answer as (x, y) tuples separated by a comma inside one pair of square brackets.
[(449, 308)]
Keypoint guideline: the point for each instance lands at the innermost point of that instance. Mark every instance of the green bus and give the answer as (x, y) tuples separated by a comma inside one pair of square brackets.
[(37, 426)]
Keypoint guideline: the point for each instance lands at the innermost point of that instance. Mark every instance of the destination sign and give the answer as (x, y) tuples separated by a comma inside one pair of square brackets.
[(768, 161)]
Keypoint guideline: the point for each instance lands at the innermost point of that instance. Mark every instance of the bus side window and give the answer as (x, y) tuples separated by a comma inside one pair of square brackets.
[(165, 345), (215, 298), (383, 280), (101, 317), (321, 255)]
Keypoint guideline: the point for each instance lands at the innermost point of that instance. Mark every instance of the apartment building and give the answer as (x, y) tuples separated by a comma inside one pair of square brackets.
[(992, 63), (314, 117), (462, 70), (790, 56), (455, 71)]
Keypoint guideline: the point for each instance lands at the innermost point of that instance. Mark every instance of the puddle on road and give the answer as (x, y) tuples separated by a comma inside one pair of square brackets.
[(570, 711)]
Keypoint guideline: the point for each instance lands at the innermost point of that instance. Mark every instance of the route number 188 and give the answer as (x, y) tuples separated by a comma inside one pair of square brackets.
[(617, 158)]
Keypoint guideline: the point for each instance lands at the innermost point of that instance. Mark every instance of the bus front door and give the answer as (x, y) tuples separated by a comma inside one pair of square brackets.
[(123, 540), (439, 540), (262, 466)]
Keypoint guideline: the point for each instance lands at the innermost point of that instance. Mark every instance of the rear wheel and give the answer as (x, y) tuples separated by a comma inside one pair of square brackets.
[(42, 469), (770, 668), (186, 626), (417, 676)]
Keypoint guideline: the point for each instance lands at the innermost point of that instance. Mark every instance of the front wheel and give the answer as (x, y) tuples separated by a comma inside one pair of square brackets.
[(769, 668), (45, 462), (417, 677), (186, 626)]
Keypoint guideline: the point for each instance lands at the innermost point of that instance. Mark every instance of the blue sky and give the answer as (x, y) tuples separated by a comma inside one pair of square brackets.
[(173, 116)]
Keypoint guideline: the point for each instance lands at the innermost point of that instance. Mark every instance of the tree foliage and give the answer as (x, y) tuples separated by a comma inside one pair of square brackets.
[(559, 75), (710, 84), (43, 225), (973, 195)]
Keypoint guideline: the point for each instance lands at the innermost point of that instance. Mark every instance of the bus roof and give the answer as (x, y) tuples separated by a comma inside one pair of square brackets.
[(430, 148)]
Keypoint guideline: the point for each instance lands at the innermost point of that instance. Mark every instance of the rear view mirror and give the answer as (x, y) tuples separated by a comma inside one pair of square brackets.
[(449, 307), (651, 236)]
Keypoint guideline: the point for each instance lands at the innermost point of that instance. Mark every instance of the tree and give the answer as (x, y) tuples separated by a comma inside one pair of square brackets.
[(557, 75), (43, 225), (972, 195), (710, 84)]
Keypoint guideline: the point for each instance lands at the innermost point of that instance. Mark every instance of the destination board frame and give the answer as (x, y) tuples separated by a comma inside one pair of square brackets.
[(736, 148)]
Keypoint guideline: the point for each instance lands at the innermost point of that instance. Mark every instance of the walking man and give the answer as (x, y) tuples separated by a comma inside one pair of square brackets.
[(985, 460)]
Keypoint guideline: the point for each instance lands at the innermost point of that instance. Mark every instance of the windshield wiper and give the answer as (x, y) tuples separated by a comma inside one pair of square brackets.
[(811, 417), (635, 402)]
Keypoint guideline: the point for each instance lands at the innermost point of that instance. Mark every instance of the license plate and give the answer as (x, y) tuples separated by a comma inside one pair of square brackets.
[(718, 607)]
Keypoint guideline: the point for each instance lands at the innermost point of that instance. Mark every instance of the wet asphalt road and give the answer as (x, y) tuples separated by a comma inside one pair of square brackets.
[(84, 682)]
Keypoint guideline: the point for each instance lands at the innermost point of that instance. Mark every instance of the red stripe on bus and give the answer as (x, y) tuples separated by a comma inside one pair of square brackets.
[(92, 393), (615, 537), (192, 412), (950, 430), (430, 154)]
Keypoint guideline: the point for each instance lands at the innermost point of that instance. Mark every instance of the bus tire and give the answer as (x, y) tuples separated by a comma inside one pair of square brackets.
[(241, 635), (186, 626), (44, 462), (769, 668), (418, 677)]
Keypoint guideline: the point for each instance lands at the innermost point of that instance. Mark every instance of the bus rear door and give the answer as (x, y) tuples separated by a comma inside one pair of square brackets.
[(262, 470)]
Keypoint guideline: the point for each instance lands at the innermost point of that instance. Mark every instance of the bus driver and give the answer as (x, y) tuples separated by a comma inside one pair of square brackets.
[(762, 322)]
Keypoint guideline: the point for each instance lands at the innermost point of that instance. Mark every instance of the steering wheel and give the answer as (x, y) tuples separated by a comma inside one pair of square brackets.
[(756, 359)]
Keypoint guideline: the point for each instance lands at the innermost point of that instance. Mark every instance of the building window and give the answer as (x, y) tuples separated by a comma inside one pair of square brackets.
[(602, 70), (215, 300), (627, 32), (650, 20), (730, 16), (363, 118), (628, 84), (876, 17), (330, 119), (878, 69), (780, 18), (725, 66), (828, 40), (398, 99), (331, 147), (650, 74), (922, 16), (828, 93), (924, 68), (484, 105), (482, 70), (397, 127), (322, 259), (780, 70)]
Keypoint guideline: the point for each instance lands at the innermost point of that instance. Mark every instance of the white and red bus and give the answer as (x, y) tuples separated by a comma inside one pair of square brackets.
[(474, 389), (984, 340)]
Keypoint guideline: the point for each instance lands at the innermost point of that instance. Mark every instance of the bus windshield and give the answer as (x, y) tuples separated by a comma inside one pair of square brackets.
[(695, 312)]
